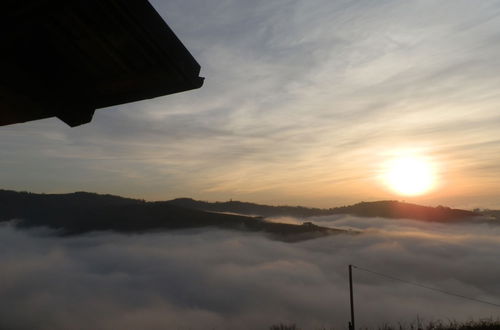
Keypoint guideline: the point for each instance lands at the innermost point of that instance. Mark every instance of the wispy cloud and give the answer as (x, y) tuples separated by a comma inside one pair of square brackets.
[(300, 96)]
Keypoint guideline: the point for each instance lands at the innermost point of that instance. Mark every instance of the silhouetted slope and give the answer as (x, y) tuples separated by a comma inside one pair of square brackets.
[(491, 213), (395, 209), (386, 209), (249, 208), (83, 212)]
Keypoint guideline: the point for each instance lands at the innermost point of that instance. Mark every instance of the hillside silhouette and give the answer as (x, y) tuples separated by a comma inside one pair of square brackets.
[(249, 208), (386, 209), (82, 212), (398, 210)]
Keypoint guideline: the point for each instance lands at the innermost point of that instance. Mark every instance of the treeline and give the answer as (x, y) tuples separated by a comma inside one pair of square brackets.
[(386, 209), (398, 210), (250, 208), (486, 324)]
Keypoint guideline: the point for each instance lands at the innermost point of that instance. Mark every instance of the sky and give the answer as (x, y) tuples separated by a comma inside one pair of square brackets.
[(303, 103), (216, 279)]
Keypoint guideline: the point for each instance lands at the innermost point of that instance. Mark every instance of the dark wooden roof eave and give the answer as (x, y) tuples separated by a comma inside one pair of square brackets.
[(66, 58)]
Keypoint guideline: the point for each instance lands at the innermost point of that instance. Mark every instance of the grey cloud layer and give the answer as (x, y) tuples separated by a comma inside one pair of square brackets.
[(226, 280)]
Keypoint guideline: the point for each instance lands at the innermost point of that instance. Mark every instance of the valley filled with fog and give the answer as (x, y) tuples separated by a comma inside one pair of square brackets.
[(223, 279)]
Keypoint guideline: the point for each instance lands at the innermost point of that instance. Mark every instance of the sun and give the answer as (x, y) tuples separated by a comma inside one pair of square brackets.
[(410, 176)]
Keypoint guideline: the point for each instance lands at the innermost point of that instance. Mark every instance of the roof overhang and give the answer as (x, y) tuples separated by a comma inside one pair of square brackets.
[(66, 58)]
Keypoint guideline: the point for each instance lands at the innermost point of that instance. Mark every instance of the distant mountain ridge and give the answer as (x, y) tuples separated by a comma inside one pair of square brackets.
[(82, 212), (398, 210), (249, 208), (386, 209)]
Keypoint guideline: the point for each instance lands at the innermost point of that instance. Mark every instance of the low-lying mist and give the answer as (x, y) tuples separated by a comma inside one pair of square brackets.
[(216, 279)]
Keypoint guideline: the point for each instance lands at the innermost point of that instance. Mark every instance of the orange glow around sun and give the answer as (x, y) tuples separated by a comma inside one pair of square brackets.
[(410, 175)]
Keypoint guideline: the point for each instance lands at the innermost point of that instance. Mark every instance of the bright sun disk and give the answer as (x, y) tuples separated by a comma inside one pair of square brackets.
[(410, 176)]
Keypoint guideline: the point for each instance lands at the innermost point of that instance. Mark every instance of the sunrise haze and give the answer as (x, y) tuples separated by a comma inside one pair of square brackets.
[(304, 103)]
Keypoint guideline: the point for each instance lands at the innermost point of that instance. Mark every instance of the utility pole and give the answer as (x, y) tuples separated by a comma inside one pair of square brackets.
[(351, 324)]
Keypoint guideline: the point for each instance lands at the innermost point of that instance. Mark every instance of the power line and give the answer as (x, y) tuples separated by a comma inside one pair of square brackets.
[(427, 287)]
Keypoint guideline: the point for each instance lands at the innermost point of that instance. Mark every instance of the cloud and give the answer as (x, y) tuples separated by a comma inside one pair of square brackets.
[(224, 280), (299, 96)]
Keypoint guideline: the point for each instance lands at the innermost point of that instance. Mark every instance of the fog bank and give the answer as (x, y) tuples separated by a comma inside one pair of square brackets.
[(200, 279)]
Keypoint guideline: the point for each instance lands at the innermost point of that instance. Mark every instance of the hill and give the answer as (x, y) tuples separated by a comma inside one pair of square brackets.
[(83, 212), (386, 209), (249, 208), (398, 210), (495, 214)]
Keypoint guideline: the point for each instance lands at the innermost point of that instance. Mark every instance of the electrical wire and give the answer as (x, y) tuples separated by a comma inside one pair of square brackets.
[(426, 287)]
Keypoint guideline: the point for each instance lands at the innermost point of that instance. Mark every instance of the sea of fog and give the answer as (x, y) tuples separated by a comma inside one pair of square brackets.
[(218, 279)]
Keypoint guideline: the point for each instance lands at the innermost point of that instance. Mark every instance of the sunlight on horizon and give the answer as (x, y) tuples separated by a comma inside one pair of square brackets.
[(410, 175)]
